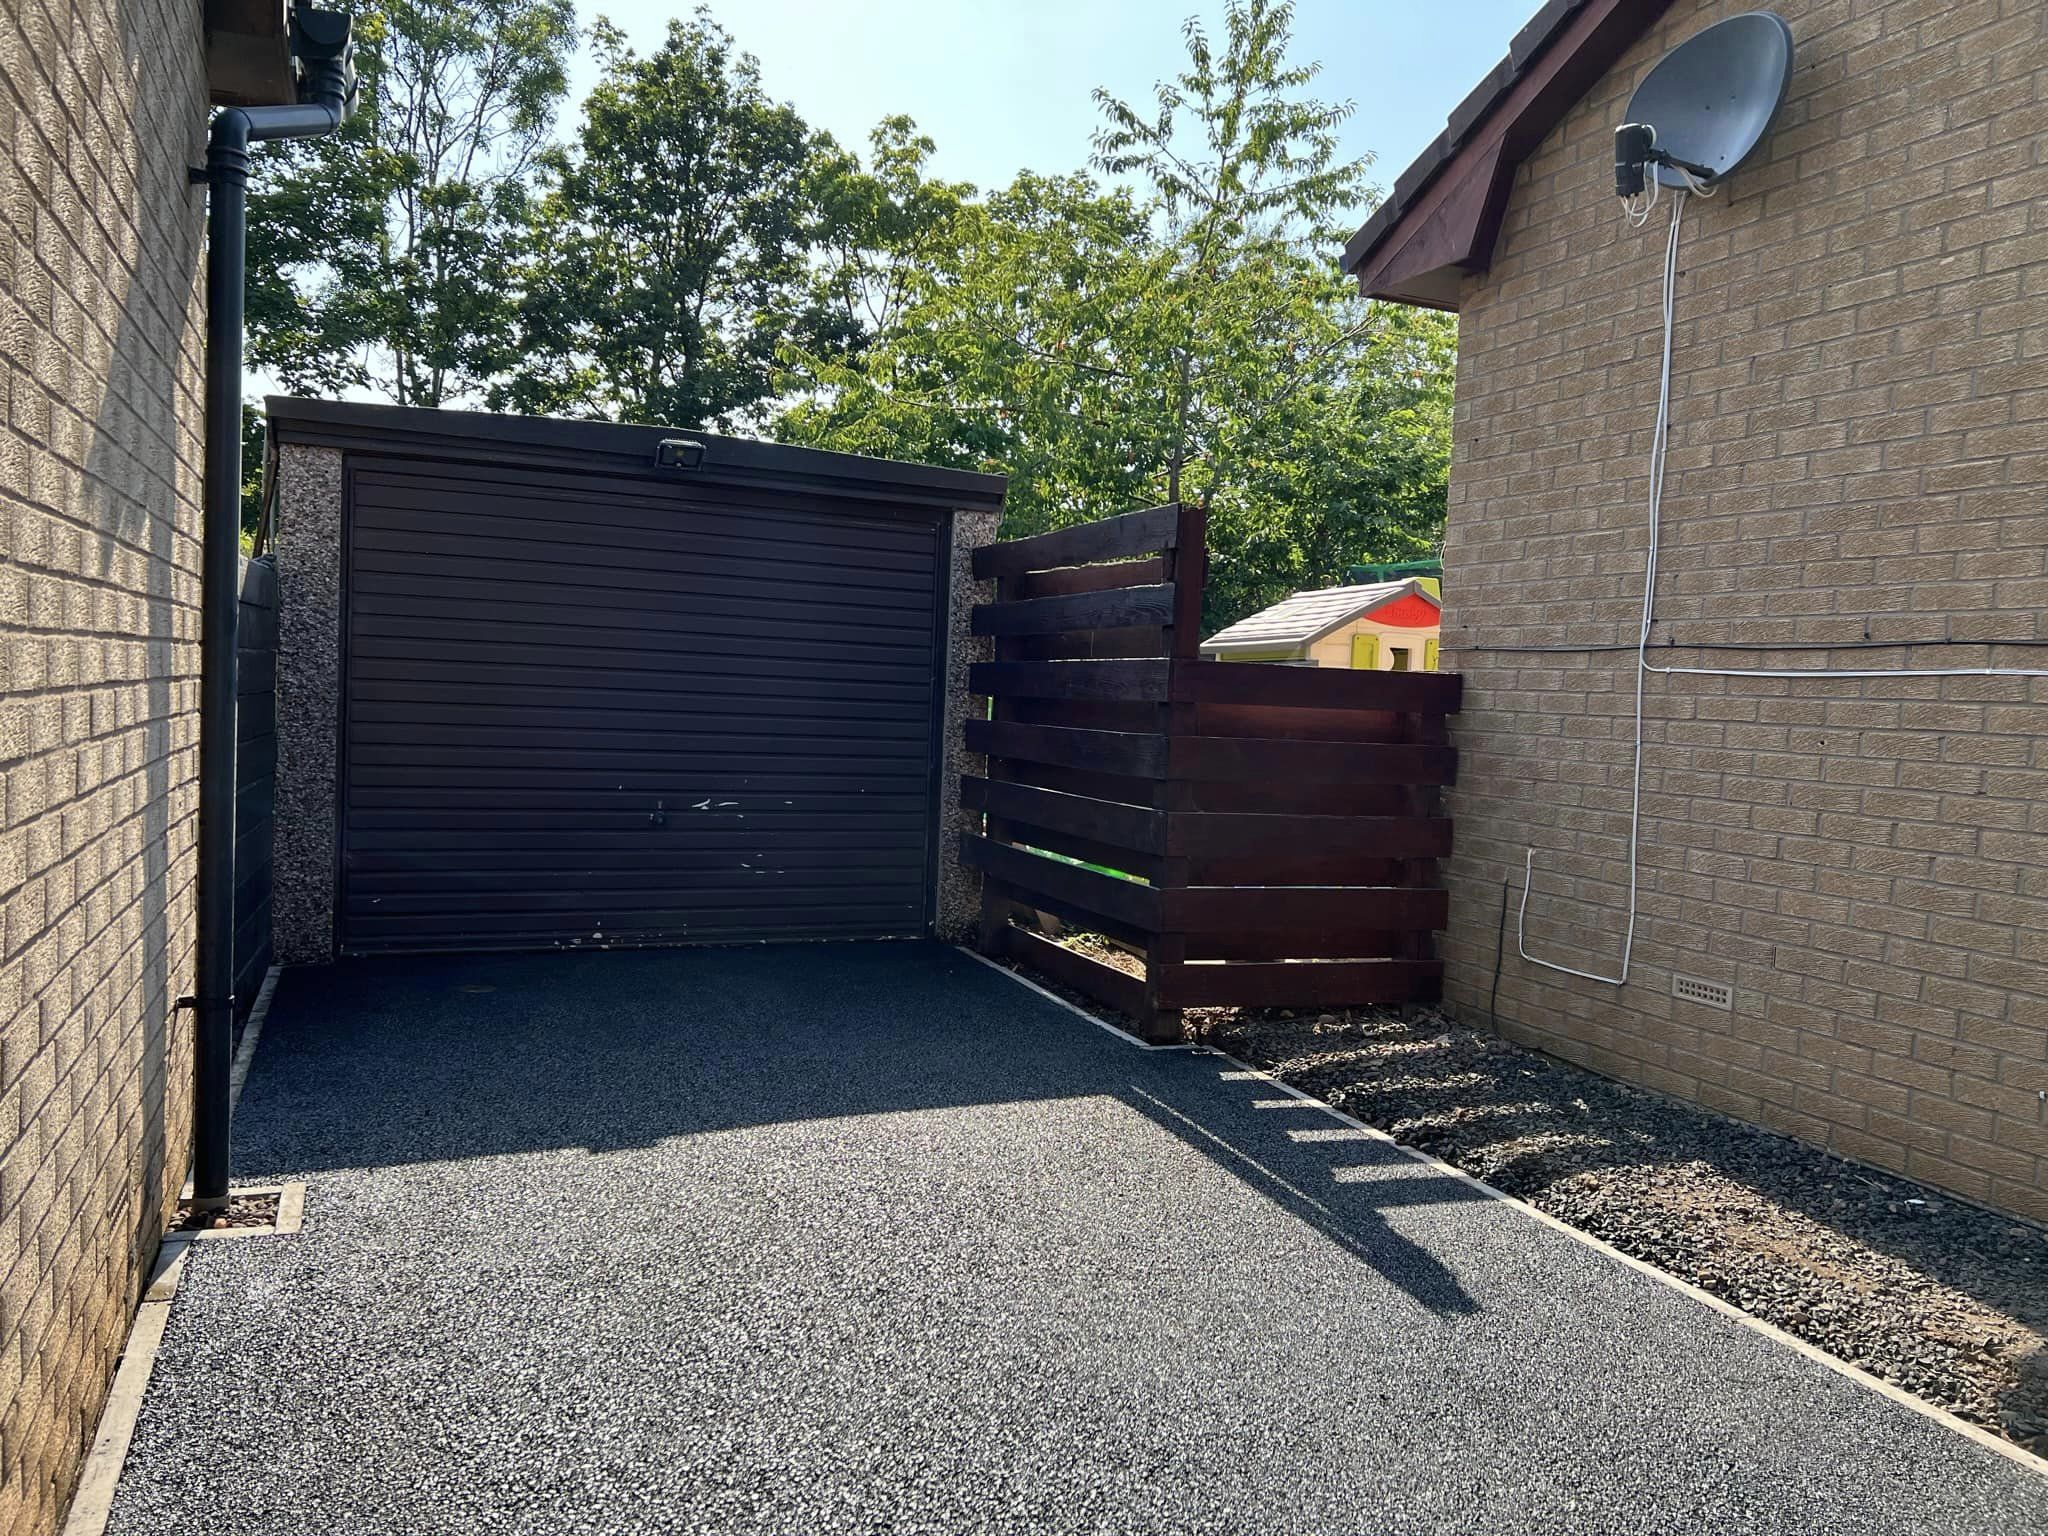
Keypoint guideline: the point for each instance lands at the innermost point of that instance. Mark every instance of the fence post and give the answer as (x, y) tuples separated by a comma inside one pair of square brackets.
[(995, 906), (1187, 568)]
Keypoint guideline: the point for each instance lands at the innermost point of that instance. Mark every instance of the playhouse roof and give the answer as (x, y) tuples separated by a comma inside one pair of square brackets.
[(1306, 617)]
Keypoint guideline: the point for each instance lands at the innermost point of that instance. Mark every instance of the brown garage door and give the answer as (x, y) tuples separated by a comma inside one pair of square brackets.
[(586, 709)]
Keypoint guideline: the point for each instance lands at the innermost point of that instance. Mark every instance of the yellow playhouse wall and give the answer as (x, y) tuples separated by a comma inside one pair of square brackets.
[(1334, 649)]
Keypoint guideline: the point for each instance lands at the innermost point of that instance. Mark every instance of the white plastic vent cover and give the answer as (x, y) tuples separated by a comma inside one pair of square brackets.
[(1711, 994)]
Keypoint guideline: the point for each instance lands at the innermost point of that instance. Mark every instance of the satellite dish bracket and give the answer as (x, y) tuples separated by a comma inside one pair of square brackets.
[(1635, 146)]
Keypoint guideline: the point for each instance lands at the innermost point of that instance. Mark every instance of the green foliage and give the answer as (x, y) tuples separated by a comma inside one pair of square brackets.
[(252, 474), (1169, 325), (384, 258), (1186, 338), (988, 361), (878, 228), (672, 241)]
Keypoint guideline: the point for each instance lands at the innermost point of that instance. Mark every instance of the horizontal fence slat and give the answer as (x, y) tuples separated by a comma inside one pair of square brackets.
[(1083, 714), (1302, 724), (1283, 984), (1139, 681), (1297, 864), (1063, 580), (1237, 759), (1109, 538), (1119, 789), (1084, 645), (1226, 682), (1119, 608), (1104, 821), (1226, 834), (1298, 943), (1290, 797), (1126, 753), (1123, 901), (1085, 974), (1210, 908)]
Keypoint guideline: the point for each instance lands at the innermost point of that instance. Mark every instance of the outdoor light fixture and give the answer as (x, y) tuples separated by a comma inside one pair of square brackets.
[(678, 453)]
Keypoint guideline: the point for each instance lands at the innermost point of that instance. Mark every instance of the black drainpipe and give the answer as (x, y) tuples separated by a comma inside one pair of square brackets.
[(322, 45)]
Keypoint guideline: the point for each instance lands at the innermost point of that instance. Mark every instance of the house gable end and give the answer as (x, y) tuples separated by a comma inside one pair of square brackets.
[(1444, 215)]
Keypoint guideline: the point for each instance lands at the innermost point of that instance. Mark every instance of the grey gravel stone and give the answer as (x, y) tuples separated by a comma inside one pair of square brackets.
[(871, 1239)]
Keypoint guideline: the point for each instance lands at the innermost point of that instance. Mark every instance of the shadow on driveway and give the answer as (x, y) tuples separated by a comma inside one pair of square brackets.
[(438, 1058)]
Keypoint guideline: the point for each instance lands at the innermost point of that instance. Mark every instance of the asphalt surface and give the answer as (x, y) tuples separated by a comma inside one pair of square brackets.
[(871, 1239)]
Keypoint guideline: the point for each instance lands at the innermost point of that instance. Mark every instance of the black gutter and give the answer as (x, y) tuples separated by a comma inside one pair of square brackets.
[(322, 42), (619, 447)]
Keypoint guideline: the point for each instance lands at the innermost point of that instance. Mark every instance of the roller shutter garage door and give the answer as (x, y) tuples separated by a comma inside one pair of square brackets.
[(587, 710)]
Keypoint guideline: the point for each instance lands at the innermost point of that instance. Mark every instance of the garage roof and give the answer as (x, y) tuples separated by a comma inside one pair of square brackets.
[(1306, 617), (612, 447)]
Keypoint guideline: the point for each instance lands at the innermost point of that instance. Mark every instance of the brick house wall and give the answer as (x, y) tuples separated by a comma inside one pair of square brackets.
[(1859, 451), (102, 107)]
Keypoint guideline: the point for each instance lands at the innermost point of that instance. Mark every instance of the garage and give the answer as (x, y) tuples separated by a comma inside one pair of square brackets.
[(602, 685)]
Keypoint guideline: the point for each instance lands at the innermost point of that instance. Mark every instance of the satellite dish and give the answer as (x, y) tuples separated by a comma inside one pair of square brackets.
[(1706, 104)]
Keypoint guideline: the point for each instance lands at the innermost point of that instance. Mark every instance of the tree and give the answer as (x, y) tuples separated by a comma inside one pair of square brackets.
[(1247, 213), (1186, 337), (672, 242), (880, 228), (985, 356), (384, 257), (254, 439)]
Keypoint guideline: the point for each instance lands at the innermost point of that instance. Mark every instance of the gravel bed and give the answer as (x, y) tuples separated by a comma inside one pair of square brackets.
[(241, 1211), (1939, 1297)]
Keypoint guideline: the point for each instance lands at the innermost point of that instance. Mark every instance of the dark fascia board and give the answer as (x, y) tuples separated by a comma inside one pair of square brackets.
[(248, 53), (558, 443), (1444, 214)]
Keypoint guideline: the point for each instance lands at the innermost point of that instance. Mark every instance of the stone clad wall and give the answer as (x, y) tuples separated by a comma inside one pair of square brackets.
[(959, 895), (102, 107), (308, 701), (1859, 454)]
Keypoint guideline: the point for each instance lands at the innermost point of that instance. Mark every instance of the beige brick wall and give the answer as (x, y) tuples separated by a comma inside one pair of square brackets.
[(102, 106), (1860, 449)]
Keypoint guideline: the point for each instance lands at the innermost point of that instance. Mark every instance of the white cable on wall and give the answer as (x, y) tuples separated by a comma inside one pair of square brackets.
[(1635, 809), (1637, 212)]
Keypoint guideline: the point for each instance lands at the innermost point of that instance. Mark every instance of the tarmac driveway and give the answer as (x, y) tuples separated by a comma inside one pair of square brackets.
[(846, 1238)]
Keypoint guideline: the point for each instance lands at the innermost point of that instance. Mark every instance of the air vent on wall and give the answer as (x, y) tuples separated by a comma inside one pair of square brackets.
[(1710, 994)]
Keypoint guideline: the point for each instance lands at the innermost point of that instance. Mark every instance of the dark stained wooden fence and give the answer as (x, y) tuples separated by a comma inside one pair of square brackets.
[(1280, 823), (255, 775)]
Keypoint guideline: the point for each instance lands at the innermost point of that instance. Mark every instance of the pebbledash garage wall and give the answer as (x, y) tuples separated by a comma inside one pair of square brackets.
[(448, 576), (1859, 454)]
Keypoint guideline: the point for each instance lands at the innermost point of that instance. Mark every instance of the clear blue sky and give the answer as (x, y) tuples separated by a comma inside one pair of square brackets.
[(1004, 84)]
